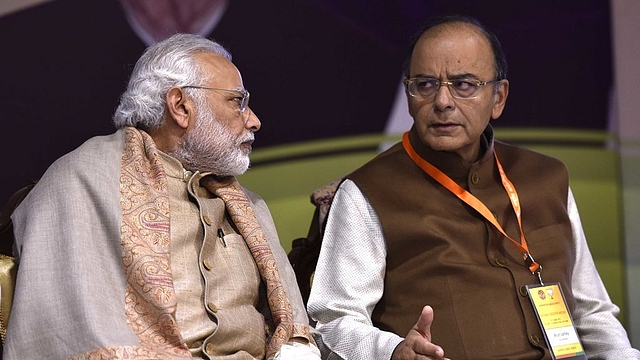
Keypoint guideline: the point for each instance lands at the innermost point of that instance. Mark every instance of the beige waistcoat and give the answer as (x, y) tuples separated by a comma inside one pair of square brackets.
[(215, 278)]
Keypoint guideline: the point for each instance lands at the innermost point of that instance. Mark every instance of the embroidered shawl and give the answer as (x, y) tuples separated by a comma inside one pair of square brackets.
[(94, 278)]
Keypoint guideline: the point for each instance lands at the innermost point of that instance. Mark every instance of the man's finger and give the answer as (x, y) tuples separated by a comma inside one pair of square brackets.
[(423, 326)]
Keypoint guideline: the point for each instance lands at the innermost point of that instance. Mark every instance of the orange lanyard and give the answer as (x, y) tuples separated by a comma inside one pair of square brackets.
[(478, 205)]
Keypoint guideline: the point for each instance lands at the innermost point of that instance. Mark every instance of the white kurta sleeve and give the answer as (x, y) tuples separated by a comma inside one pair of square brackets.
[(602, 335), (349, 281)]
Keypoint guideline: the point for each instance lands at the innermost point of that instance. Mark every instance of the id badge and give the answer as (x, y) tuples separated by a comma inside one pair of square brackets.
[(556, 322)]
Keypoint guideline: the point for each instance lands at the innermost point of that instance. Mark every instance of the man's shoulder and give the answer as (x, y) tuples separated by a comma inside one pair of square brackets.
[(254, 198), (515, 155), (91, 171), (95, 158), (383, 159), (95, 150)]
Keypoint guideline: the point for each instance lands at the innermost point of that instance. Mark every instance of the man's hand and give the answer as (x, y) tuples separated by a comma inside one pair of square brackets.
[(417, 344)]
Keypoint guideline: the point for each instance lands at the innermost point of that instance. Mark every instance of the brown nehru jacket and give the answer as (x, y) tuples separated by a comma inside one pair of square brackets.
[(441, 252)]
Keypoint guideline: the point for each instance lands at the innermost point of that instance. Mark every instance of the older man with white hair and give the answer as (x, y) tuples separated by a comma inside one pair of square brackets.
[(142, 244)]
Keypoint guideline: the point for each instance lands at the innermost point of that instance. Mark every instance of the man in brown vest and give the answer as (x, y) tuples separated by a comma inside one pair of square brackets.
[(486, 234), (142, 245)]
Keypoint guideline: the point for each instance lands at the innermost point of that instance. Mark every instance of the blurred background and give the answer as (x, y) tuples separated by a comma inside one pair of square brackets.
[(325, 79)]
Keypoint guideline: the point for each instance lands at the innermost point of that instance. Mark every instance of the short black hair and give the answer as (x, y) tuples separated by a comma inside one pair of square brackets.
[(500, 59)]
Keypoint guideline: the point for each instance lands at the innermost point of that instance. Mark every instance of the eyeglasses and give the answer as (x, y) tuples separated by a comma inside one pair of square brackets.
[(243, 99), (426, 88)]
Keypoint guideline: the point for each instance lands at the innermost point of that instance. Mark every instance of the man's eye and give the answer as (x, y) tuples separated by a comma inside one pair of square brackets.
[(426, 83), (238, 100), (463, 84)]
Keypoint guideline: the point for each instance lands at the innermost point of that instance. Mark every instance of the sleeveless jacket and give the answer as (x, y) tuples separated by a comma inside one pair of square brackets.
[(441, 252)]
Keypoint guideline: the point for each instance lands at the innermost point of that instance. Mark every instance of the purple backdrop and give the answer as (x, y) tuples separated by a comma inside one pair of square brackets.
[(315, 68)]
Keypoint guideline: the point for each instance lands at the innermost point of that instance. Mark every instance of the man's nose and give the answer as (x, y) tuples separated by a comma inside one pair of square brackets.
[(252, 122), (443, 98)]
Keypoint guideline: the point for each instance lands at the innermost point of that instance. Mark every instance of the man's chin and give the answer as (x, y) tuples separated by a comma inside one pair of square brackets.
[(238, 170)]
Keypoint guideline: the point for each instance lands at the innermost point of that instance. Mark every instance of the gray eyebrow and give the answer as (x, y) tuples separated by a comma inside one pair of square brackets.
[(462, 76), (449, 76)]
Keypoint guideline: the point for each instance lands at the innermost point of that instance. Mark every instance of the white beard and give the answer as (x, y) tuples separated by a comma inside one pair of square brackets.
[(211, 147)]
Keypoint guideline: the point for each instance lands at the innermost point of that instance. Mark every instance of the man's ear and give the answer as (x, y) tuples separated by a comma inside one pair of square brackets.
[(500, 97), (179, 107)]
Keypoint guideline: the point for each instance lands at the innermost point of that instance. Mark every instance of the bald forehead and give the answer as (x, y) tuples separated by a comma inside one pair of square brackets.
[(457, 29), (454, 48)]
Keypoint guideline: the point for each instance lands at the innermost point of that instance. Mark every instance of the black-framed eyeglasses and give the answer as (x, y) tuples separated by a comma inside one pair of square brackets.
[(243, 99), (426, 87)]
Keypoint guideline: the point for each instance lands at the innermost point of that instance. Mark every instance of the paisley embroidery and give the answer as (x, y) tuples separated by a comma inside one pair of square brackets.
[(150, 301), (238, 206)]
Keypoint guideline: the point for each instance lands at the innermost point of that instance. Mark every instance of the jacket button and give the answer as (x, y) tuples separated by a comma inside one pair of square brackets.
[(501, 262), (206, 220), (208, 349), (523, 291), (475, 179), (535, 340), (212, 307), (207, 264)]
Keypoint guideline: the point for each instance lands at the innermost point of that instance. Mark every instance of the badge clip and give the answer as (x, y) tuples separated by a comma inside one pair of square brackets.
[(534, 267)]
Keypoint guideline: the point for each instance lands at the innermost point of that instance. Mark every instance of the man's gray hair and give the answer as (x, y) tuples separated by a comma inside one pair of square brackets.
[(162, 66)]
